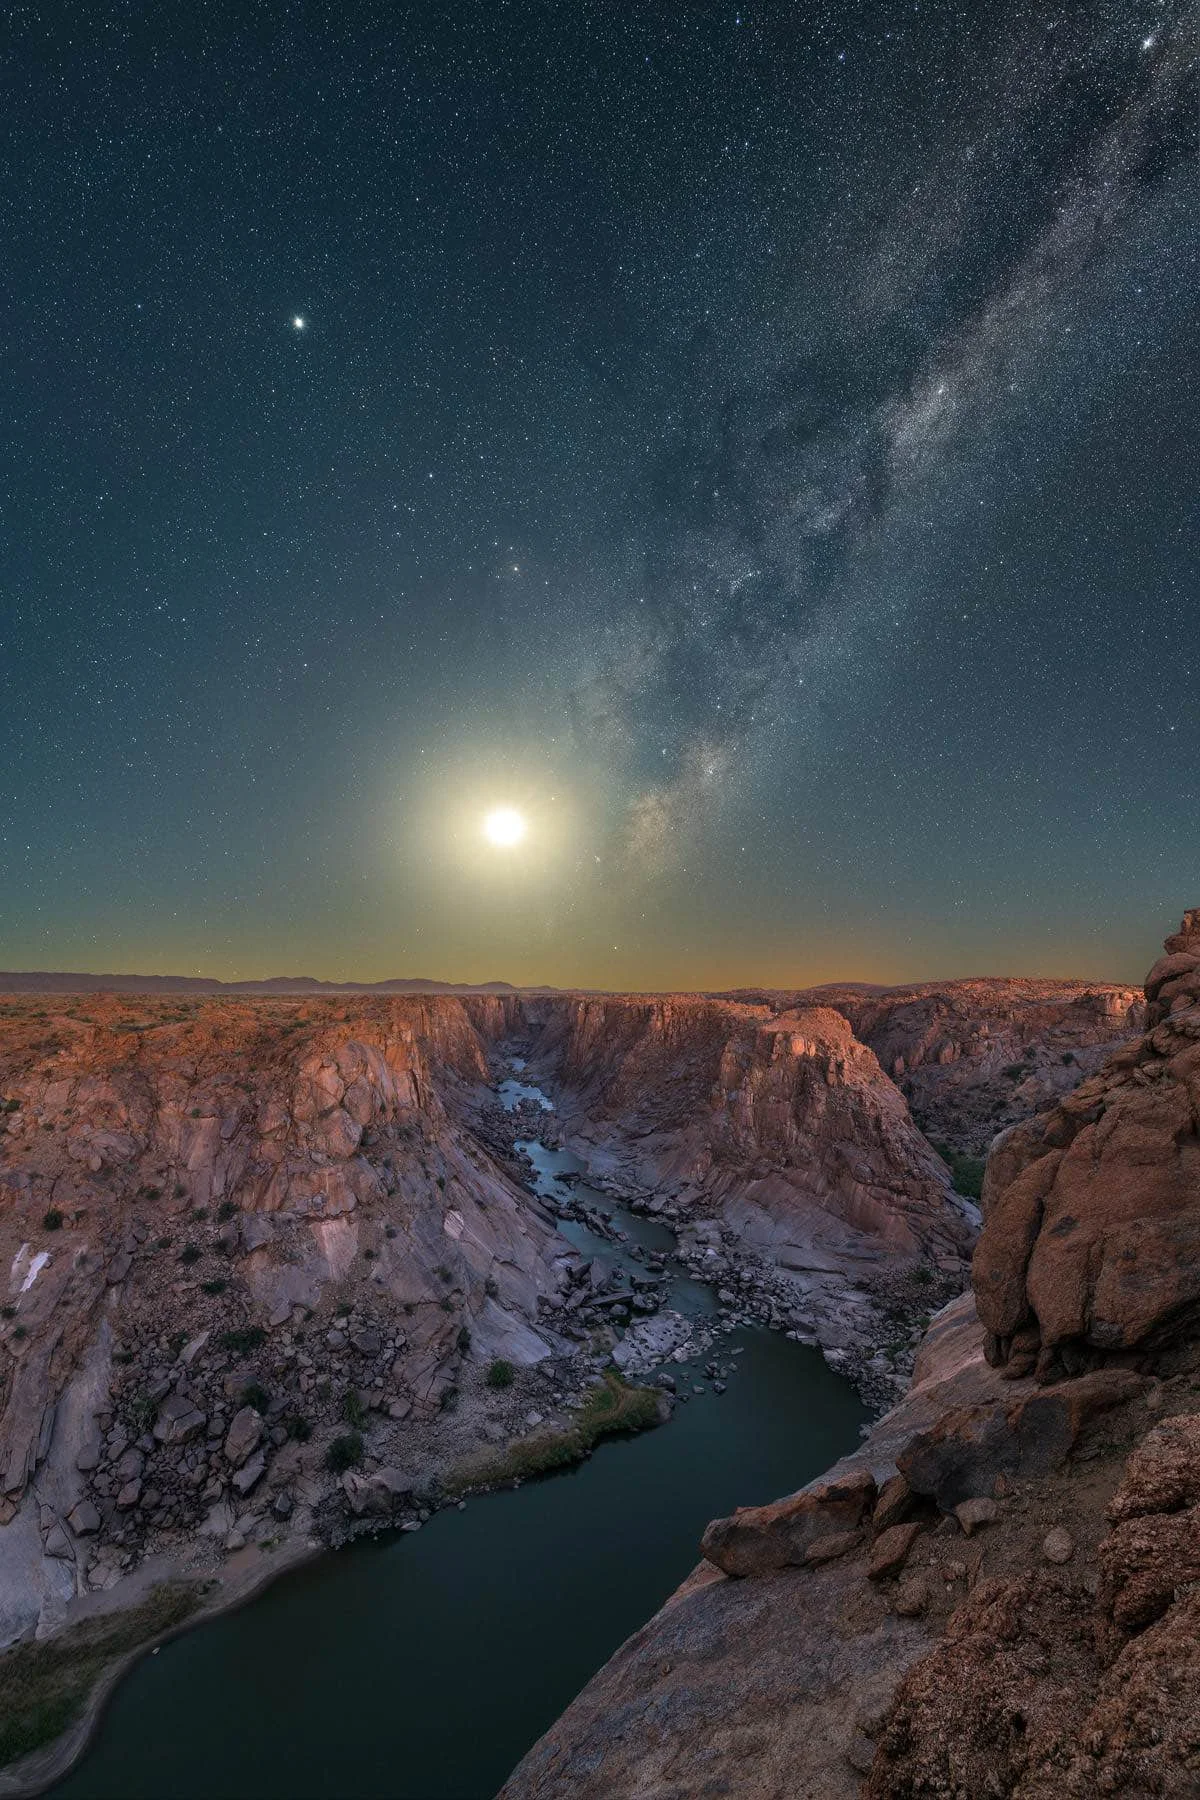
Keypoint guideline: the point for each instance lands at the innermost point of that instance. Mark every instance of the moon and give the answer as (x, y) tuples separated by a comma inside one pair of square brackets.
[(504, 827)]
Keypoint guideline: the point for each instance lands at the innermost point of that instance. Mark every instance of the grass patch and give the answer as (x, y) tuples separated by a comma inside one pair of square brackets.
[(612, 1407), (44, 1686), (500, 1374)]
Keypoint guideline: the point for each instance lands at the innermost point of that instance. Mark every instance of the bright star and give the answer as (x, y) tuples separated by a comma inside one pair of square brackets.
[(297, 323), (504, 827)]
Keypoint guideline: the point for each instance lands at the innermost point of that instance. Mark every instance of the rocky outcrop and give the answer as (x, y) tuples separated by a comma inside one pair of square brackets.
[(994, 1598), (232, 1231), (975, 1056), (1091, 1246)]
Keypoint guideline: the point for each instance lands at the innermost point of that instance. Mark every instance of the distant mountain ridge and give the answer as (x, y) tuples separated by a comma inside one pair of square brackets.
[(43, 981)]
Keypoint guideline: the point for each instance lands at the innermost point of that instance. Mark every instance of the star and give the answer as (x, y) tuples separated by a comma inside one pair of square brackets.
[(298, 323)]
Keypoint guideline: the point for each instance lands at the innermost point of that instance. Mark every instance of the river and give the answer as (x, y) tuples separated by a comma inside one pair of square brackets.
[(422, 1666)]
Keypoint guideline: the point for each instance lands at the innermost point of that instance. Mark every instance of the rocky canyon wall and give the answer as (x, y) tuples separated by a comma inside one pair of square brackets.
[(995, 1597)]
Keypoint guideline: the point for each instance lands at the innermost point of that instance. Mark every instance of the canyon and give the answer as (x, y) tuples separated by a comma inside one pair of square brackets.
[(995, 1595), (266, 1253)]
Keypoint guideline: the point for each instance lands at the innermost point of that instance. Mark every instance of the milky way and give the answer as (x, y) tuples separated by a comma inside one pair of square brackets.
[(775, 480), (759, 444)]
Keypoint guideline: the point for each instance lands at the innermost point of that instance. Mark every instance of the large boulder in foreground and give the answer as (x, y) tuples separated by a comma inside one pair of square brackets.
[(1091, 1240)]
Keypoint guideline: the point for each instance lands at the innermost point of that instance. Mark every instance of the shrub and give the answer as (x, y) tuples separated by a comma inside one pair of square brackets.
[(345, 1452), (463, 1339), (53, 1219), (190, 1253), (298, 1427), (163, 1243), (226, 1210), (442, 1272), (450, 1400), (501, 1374), (446, 1303), (242, 1339), (217, 1285), (256, 1396), (180, 1190), (8, 1311), (353, 1410), (199, 1213), (20, 1331)]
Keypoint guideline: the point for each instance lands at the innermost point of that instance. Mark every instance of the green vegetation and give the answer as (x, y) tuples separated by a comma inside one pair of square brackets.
[(353, 1410), (226, 1211), (298, 1427), (44, 1686), (500, 1374), (345, 1452), (244, 1338), (966, 1172), (141, 1412), (190, 1253), (217, 1285), (1017, 1071), (53, 1219), (612, 1407), (256, 1396)]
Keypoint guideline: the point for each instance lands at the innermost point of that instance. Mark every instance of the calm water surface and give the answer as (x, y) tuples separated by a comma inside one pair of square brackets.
[(423, 1666)]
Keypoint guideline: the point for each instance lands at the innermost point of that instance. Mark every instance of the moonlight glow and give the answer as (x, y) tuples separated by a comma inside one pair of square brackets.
[(504, 827)]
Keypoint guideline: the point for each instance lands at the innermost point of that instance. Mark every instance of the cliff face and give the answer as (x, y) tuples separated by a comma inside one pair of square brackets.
[(975, 1056), (993, 1599), (183, 1187), (783, 1120), (1092, 1241)]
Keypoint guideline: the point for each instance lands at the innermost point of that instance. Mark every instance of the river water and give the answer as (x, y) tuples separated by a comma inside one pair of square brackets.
[(422, 1666)]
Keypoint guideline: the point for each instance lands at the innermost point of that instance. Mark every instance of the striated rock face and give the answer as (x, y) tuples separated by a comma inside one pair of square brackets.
[(974, 1056), (1092, 1238), (227, 1228), (782, 1121)]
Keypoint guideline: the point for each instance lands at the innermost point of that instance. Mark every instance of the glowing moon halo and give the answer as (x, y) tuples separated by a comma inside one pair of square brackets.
[(504, 827)]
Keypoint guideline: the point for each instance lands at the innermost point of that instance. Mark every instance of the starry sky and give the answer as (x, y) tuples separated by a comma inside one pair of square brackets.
[(760, 444)]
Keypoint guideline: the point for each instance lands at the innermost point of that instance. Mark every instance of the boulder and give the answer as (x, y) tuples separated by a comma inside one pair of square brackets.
[(83, 1519), (889, 1552), (243, 1436), (972, 1514), (756, 1539), (250, 1473), (178, 1420)]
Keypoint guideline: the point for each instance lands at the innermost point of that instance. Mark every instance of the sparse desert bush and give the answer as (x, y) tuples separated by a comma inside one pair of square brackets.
[(500, 1373), (242, 1339), (345, 1452), (53, 1220)]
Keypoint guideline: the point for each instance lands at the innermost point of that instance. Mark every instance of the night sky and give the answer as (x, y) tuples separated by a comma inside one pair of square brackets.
[(760, 445)]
